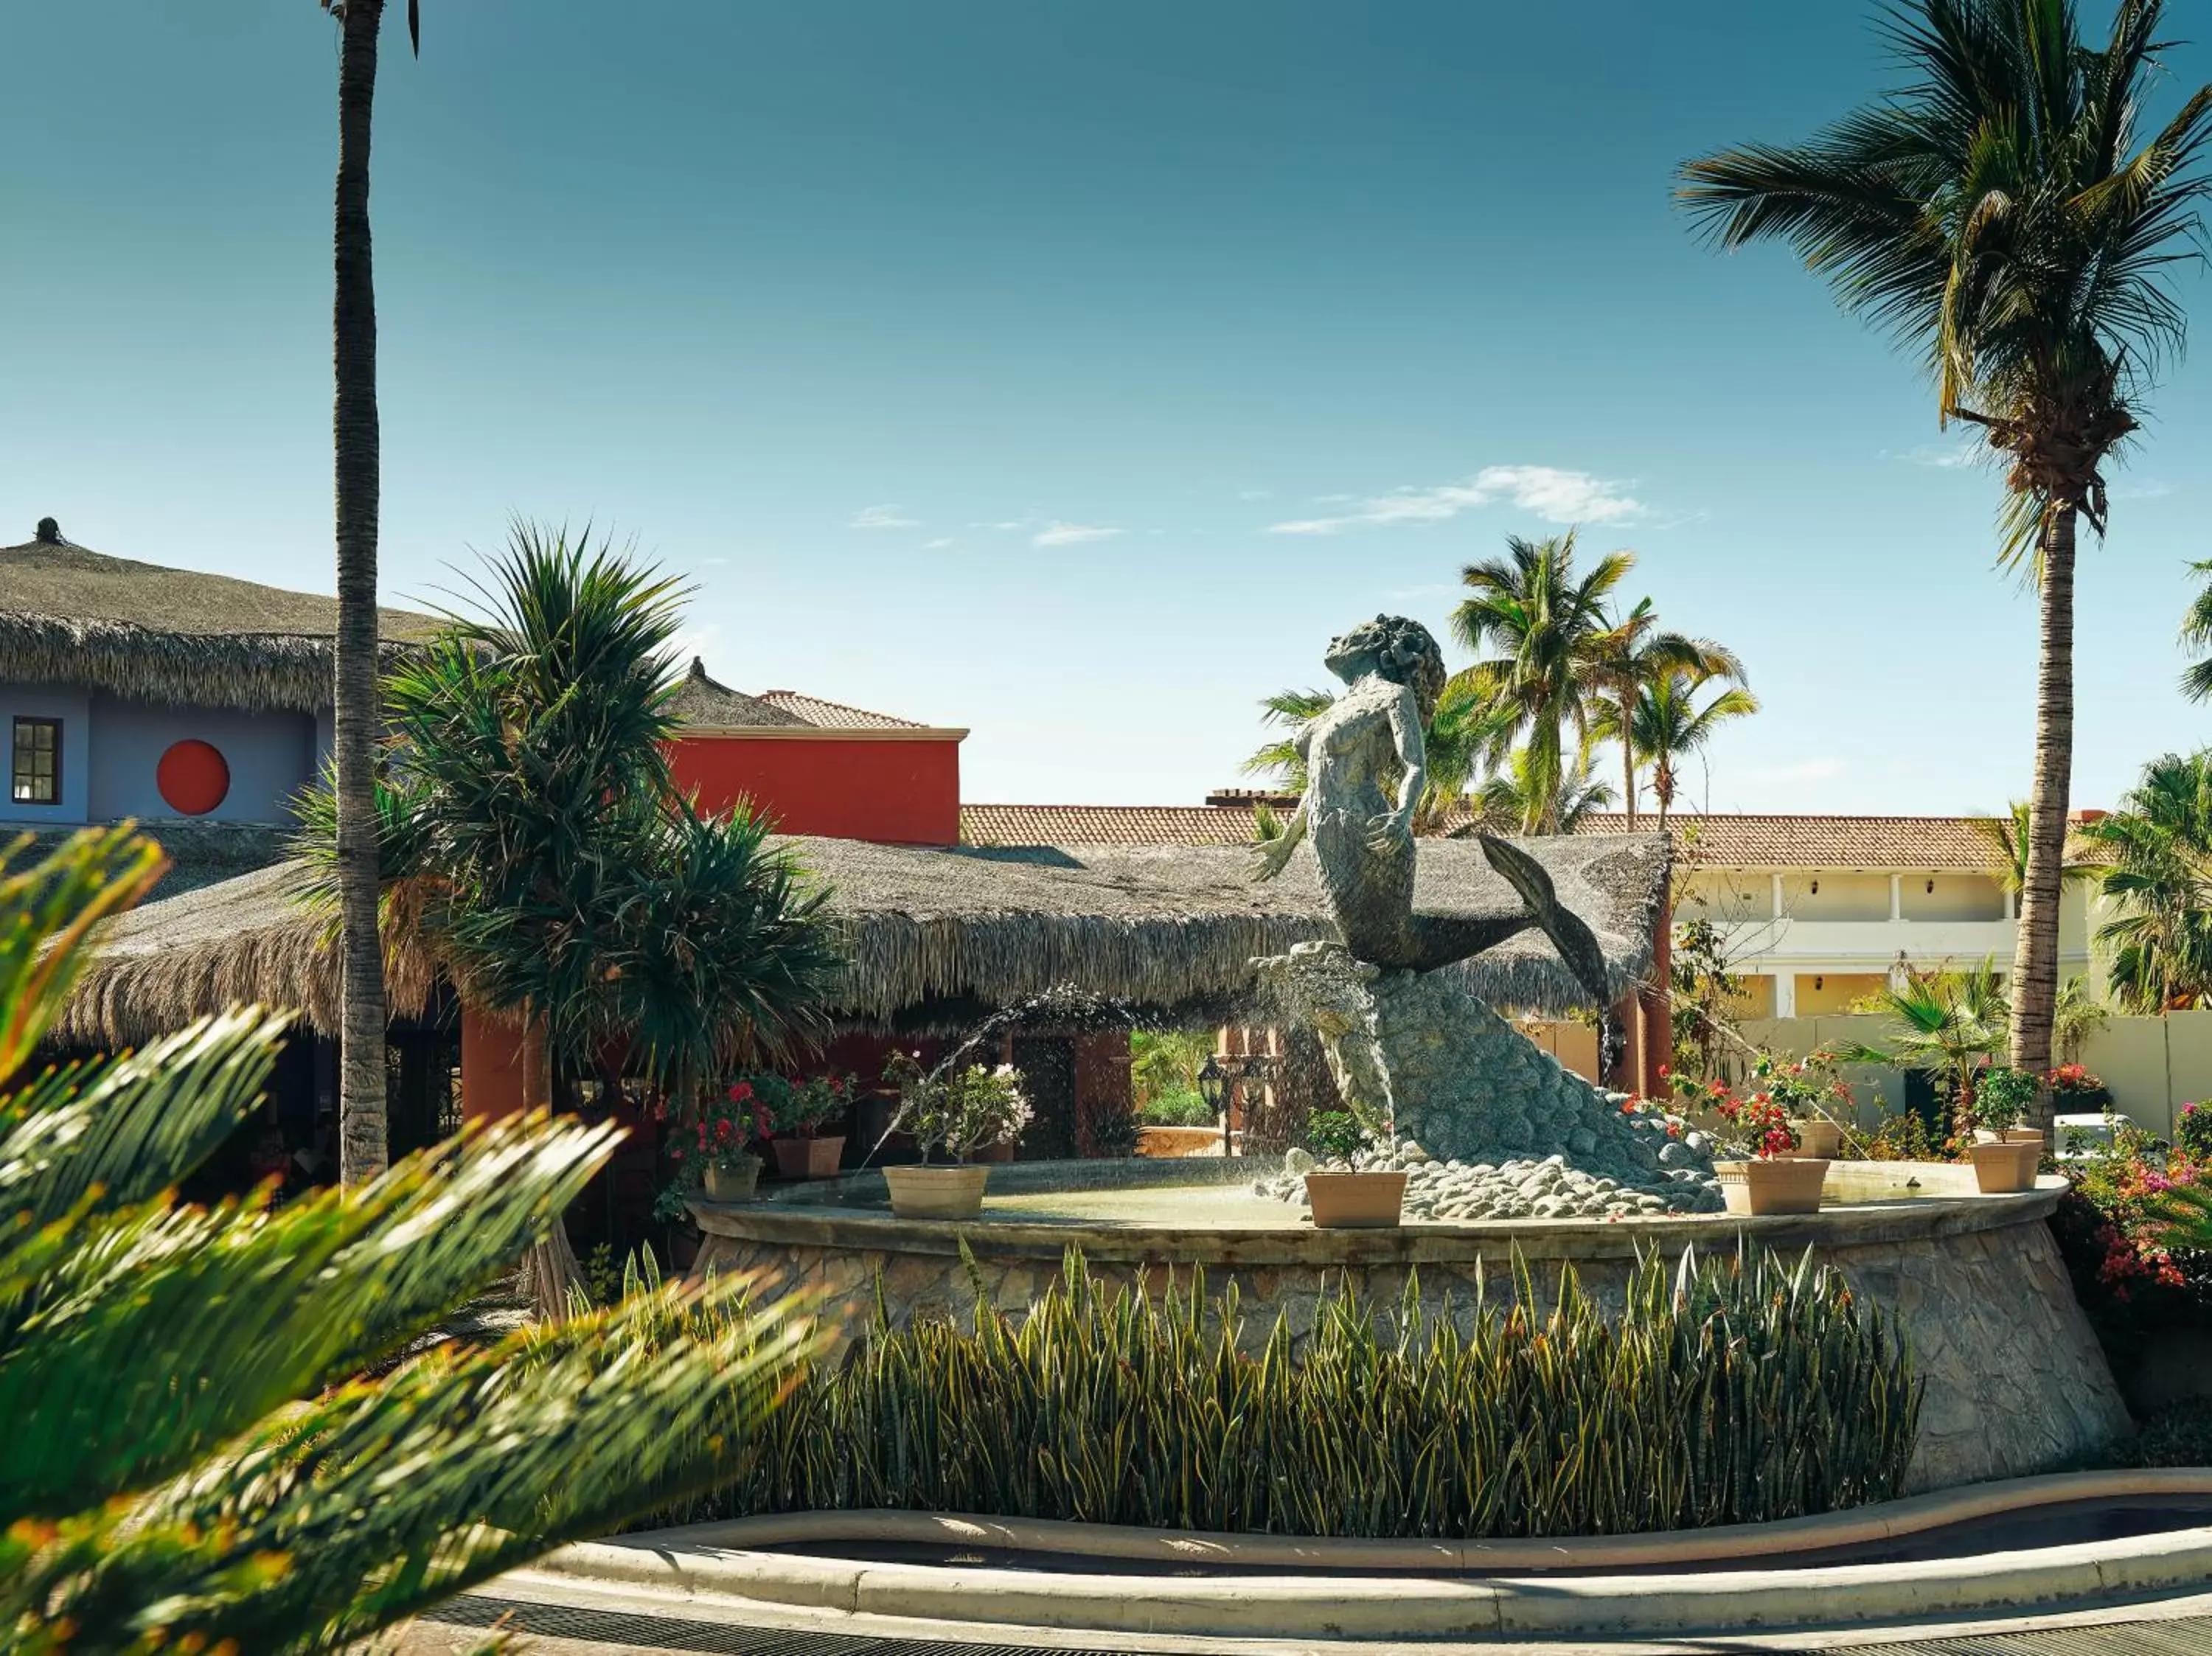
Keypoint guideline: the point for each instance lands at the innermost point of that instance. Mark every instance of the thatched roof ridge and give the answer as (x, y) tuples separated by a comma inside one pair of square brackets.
[(706, 703), (71, 615), (1162, 927)]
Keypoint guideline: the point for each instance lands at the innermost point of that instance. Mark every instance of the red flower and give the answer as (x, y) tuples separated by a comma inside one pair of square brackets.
[(741, 1092)]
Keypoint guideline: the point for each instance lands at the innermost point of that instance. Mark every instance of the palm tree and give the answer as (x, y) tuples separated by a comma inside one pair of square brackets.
[(357, 463), (1540, 631), (534, 842), (1666, 726), (1462, 732), (1634, 657), (1952, 1022), (2001, 215), (195, 1461), (2157, 855), (2196, 635), (1281, 760), (1520, 797), (2006, 839)]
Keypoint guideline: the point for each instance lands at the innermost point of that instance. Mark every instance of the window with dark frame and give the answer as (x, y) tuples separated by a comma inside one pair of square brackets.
[(34, 770)]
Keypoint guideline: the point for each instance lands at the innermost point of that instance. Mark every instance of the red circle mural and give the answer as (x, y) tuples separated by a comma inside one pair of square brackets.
[(193, 777)]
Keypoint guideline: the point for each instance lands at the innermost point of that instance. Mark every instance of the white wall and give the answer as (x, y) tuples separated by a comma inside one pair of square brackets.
[(2154, 1065)]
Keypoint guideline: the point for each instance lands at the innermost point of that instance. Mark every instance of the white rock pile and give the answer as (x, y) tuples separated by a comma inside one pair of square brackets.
[(1679, 1178)]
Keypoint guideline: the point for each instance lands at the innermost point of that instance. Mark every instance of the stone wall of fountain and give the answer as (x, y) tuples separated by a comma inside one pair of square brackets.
[(2016, 1383)]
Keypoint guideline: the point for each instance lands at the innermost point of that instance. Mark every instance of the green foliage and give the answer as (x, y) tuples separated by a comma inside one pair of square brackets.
[(2002, 1098), (1704, 994), (533, 841), (1335, 1135), (2157, 853), (1723, 1391), (193, 1456), (2193, 1131), (1163, 1061), (1902, 1137), (1539, 631), (1953, 1022), (1666, 724), (1524, 793), (2004, 213), (1178, 1110)]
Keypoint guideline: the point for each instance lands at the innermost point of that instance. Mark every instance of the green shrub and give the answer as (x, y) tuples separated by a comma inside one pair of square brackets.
[(1335, 1135), (1734, 1391), (2002, 1098), (1179, 1110)]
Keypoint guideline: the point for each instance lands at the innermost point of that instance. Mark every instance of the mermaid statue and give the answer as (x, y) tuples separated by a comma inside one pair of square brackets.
[(1367, 745), (1436, 1075)]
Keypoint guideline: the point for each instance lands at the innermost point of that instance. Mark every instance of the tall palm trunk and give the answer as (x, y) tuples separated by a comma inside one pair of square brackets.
[(2035, 957), (361, 1148), (1627, 761)]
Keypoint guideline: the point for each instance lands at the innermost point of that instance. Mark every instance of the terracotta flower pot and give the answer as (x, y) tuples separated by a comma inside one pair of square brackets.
[(2000, 1169), (807, 1158), (954, 1192), (1817, 1139), (1780, 1185), (735, 1184), (1355, 1201), (2022, 1136)]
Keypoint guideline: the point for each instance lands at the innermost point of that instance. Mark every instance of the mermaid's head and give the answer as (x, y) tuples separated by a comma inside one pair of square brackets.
[(1400, 650)]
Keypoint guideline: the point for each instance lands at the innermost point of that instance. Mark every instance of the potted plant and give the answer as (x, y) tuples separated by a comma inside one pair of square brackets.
[(721, 1155), (2075, 1091), (1805, 1089), (1775, 1177), (2005, 1155), (956, 1109), (1346, 1198), (796, 1111)]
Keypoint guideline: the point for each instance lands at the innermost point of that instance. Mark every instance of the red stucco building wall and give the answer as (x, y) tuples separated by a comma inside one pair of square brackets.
[(841, 785)]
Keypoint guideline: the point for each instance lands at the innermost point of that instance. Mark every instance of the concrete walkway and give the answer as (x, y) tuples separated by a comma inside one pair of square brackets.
[(614, 1624)]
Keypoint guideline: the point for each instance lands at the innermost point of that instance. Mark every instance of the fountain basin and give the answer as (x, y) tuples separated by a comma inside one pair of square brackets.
[(2015, 1382)]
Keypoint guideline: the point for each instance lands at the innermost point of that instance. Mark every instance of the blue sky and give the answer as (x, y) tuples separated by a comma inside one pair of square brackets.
[(971, 357)]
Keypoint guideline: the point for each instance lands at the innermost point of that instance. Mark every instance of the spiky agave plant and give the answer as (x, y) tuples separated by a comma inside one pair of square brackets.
[(1731, 1390), (194, 1459)]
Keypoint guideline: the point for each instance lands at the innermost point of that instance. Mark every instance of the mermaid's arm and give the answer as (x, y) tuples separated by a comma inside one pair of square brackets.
[(1412, 753)]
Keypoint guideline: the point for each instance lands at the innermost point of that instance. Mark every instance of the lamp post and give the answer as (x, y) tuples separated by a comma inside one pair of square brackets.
[(1213, 1087)]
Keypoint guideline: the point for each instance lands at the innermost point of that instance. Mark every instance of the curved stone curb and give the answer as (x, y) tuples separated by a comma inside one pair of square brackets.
[(686, 1562), (1886, 1521)]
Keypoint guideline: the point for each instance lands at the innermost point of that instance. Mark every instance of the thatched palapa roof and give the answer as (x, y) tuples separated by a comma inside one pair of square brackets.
[(1162, 927), (72, 615)]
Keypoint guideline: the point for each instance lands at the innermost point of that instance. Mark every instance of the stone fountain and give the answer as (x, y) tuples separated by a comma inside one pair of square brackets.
[(1488, 1125)]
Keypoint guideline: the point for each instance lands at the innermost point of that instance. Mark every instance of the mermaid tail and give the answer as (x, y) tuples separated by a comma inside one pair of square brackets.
[(1576, 944)]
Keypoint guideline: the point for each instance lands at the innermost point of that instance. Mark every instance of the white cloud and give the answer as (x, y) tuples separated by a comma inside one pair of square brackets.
[(1057, 533), (1546, 492), (883, 517), (1944, 456), (937, 545)]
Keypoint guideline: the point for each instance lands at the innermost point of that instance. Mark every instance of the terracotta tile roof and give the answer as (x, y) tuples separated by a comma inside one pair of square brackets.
[(1729, 841), (833, 715), (1839, 842), (1105, 825)]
